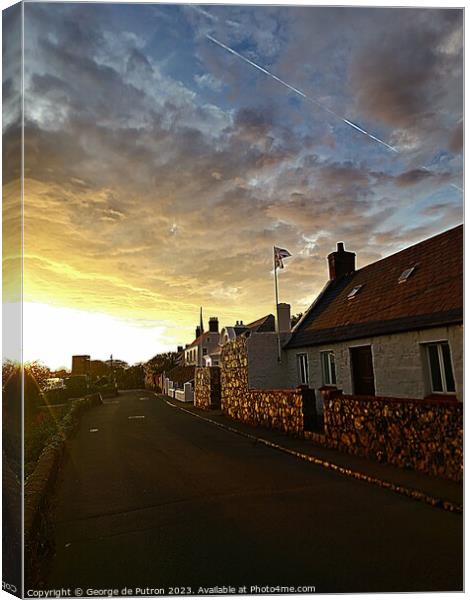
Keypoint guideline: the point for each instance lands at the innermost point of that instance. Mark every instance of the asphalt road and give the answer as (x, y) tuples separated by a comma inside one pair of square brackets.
[(169, 500)]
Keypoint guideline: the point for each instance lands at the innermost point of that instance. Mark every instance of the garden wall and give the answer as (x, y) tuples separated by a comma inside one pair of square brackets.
[(207, 393), (426, 435), (273, 409)]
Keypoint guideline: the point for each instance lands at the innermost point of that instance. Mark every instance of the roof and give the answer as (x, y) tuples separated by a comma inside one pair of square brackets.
[(431, 296), (199, 339), (263, 324), (181, 374)]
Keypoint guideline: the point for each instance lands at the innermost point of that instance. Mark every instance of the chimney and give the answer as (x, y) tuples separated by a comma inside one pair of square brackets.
[(341, 262), (179, 349), (198, 331), (283, 317), (214, 325)]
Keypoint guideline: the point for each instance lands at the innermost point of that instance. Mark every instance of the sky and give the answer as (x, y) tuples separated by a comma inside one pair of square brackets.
[(161, 168)]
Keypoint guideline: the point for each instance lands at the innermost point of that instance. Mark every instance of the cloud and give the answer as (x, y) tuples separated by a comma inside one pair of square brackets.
[(208, 81), (406, 74), (456, 139), (412, 177), (159, 174)]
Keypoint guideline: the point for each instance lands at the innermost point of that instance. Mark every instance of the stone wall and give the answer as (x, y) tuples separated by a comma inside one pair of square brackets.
[(207, 392), (426, 435), (38, 532), (273, 409)]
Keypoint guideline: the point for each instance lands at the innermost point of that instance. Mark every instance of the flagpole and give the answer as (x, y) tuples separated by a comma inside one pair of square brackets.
[(276, 314)]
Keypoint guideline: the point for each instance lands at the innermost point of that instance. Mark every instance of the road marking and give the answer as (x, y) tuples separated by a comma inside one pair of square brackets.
[(93, 430), (144, 398), (137, 417), (411, 493)]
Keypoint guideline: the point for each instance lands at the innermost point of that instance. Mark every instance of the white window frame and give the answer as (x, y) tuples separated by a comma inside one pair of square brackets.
[(442, 370), (302, 357), (327, 371)]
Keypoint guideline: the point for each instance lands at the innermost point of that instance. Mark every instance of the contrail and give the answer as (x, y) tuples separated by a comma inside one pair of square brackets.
[(203, 12), (312, 100), (300, 93)]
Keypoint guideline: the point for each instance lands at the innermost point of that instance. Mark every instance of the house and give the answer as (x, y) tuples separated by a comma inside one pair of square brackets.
[(204, 343), (392, 328), (81, 364), (263, 325)]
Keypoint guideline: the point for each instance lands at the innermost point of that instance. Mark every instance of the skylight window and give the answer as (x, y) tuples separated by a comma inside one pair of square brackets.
[(406, 274), (353, 293)]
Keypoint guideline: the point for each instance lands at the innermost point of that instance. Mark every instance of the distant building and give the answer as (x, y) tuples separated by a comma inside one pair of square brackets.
[(265, 324), (204, 343), (81, 364)]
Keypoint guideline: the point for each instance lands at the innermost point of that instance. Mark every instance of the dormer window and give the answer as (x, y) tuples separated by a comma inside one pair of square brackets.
[(353, 293), (406, 274)]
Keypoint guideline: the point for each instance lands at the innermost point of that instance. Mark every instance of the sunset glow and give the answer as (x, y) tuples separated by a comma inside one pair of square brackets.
[(160, 170)]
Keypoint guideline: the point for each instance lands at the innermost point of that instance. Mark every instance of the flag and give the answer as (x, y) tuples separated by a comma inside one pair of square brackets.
[(279, 254)]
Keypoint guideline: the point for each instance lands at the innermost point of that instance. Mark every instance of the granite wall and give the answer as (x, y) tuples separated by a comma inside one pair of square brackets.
[(207, 391), (426, 435), (273, 409)]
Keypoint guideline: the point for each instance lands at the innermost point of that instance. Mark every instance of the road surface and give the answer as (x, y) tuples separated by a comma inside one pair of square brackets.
[(153, 497)]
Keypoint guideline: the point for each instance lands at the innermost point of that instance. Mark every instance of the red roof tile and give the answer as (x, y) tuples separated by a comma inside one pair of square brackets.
[(199, 339), (181, 374), (432, 295), (263, 324)]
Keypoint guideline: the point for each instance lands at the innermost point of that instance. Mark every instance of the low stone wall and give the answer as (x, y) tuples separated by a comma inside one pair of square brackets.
[(273, 409), (38, 538), (425, 435), (207, 392)]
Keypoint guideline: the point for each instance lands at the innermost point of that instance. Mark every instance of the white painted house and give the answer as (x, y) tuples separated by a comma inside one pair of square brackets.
[(393, 328), (205, 343)]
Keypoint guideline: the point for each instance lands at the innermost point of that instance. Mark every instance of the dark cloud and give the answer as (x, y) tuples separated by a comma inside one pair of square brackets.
[(138, 61), (456, 139), (255, 121), (412, 177), (403, 74)]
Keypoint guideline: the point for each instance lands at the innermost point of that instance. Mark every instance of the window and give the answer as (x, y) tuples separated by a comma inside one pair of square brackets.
[(404, 276), (440, 368), (328, 367), (353, 293), (204, 351), (302, 367)]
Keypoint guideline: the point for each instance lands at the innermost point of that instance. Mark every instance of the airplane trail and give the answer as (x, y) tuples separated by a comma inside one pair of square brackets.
[(299, 92), (312, 100)]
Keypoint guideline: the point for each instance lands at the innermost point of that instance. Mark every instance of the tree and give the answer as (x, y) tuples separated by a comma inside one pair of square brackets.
[(163, 362), (39, 372), (131, 378), (295, 319)]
